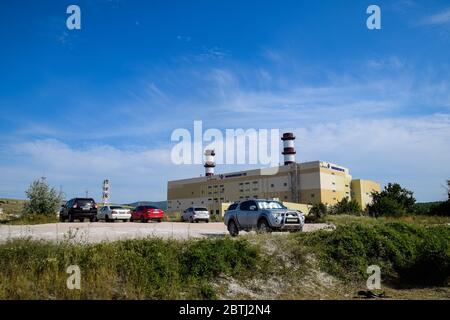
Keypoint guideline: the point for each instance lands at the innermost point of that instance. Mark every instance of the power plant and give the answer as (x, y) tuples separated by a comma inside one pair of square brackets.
[(299, 184)]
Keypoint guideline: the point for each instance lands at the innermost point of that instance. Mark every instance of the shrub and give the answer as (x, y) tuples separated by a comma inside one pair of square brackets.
[(346, 206), (43, 200), (411, 254), (317, 212), (392, 201), (131, 269)]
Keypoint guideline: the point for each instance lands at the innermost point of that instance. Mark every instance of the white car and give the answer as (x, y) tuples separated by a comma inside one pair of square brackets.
[(195, 214), (110, 213)]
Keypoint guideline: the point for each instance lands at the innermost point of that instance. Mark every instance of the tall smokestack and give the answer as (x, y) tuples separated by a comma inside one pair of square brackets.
[(289, 148), (210, 164)]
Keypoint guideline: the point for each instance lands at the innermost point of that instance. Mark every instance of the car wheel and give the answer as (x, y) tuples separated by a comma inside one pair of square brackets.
[(62, 219), (233, 228), (92, 219), (263, 226), (191, 220), (143, 219), (207, 221), (70, 217), (159, 220), (131, 219)]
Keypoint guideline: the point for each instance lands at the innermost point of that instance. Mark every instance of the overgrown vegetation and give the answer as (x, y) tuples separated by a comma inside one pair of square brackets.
[(409, 254), (392, 201), (135, 269), (347, 206), (43, 200)]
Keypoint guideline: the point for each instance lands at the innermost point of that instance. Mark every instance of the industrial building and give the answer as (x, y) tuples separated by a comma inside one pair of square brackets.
[(296, 183)]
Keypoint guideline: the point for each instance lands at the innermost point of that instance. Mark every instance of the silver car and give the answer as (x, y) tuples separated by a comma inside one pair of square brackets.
[(110, 213), (195, 214), (262, 215)]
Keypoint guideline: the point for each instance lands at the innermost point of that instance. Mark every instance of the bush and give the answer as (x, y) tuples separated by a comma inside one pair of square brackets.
[(43, 200), (442, 209), (346, 206), (392, 201), (131, 269), (317, 212), (410, 254)]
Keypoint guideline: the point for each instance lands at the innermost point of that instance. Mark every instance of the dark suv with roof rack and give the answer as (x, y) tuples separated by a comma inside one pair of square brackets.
[(80, 209)]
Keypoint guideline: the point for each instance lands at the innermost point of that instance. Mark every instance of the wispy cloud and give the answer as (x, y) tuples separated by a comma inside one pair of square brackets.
[(441, 18)]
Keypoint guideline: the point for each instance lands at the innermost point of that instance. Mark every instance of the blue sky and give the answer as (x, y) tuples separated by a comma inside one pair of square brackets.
[(81, 105)]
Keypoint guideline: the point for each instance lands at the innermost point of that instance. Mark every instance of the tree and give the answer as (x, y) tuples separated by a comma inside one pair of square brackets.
[(317, 211), (448, 189), (347, 206), (43, 200), (393, 200)]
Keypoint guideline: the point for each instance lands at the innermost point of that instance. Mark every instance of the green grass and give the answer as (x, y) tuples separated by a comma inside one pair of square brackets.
[(408, 254), (412, 254), (12, 206), (137, 269), (340, 220)]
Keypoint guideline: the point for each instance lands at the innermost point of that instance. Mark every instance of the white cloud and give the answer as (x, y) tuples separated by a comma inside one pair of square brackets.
[(441, 18), (412, 151)]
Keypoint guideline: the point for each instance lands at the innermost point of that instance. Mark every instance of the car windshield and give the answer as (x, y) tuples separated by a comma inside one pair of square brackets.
[(270, 205), (200, 209)]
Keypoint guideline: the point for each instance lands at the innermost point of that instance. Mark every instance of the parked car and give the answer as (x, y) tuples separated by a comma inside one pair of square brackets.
[(109, 213), (195, 214), (146, 213), (80, 209), (262, 215)]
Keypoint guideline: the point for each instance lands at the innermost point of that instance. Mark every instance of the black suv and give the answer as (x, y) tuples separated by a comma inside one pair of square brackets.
[(79, 208)]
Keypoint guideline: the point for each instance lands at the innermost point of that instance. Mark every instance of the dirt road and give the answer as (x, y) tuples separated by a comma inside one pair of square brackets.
[(102, 231)]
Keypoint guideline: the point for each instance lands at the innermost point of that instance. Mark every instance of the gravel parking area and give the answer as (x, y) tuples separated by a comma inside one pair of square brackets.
[(102, 231)]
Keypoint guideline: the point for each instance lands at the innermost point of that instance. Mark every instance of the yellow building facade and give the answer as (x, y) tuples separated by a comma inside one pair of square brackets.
[(362, 191), (300, 183)]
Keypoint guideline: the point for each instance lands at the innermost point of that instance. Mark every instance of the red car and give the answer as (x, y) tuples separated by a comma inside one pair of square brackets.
[(146, 213)]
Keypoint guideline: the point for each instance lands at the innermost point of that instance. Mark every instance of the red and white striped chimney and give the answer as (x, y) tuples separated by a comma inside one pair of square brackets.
[(288, 148), (210, 164)]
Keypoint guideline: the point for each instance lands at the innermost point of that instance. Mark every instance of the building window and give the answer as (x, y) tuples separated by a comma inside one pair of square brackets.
[(217, 212), (272, 185), (256, 197), (285, 184), (334, 190), (312, 195), (247, 183), (285, 197), (241, 184), (241, 190), (255, 182), (333, 183)]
